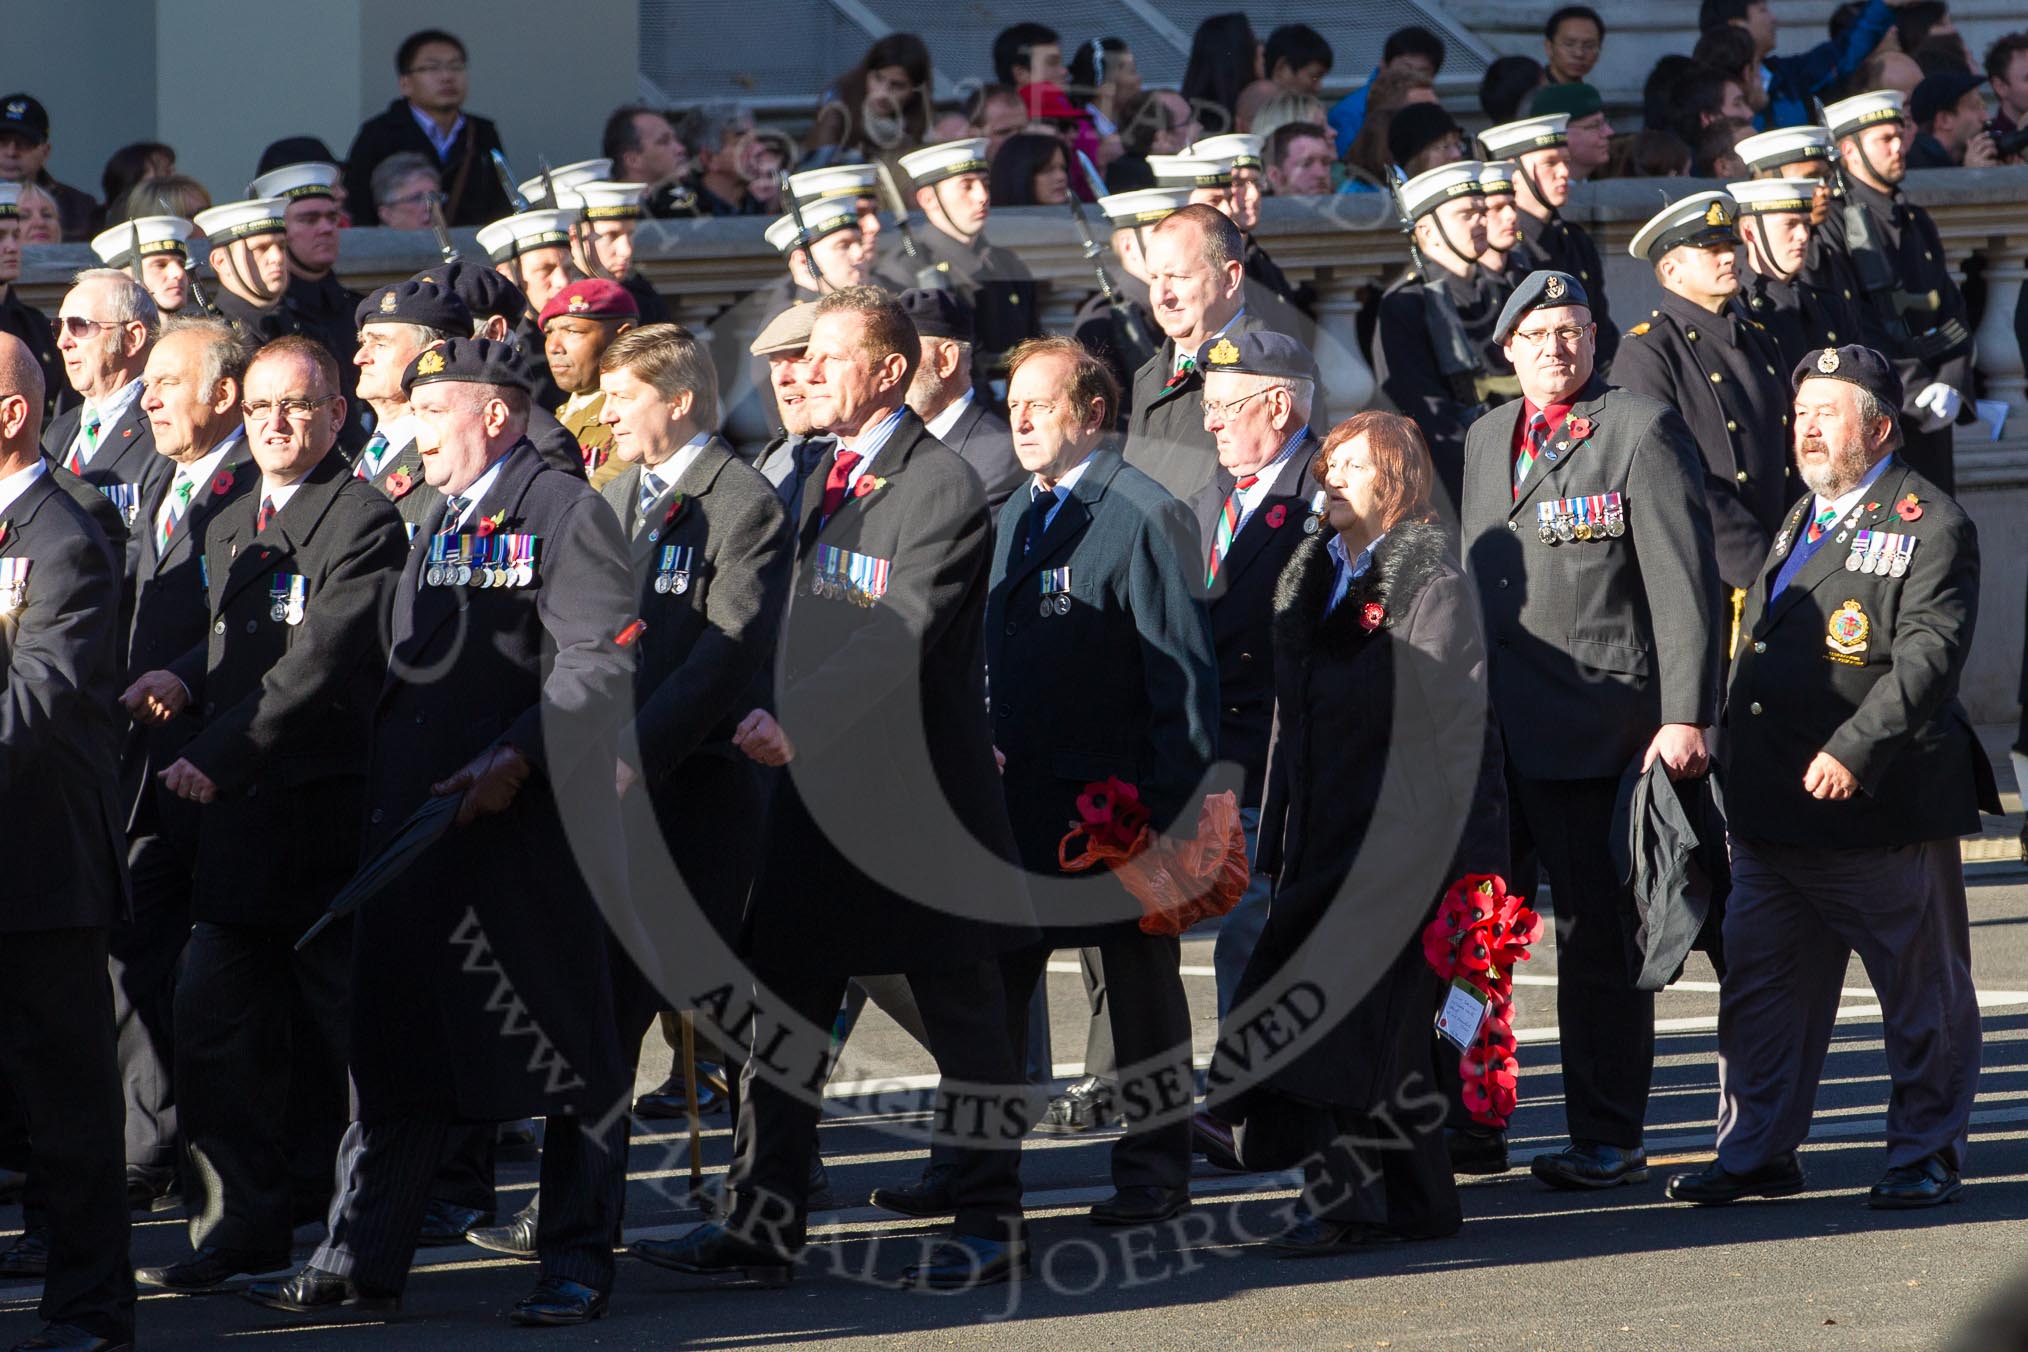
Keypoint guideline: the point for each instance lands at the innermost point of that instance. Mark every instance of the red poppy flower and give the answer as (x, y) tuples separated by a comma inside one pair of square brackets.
[(487, 525), (1276, 515), (1372, 616), (1909, 509), (867, 483), (675, 510), (1580, 428), (398, 484), (223, 483)]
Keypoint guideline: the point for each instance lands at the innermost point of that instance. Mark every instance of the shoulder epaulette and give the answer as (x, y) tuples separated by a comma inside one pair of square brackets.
[(1639, 329)]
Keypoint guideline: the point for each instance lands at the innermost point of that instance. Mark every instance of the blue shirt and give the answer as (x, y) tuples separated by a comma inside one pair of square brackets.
[(441, 139), (1349, 570), (1793, 81), (1839, 510), (869, 445), (1348, 114)]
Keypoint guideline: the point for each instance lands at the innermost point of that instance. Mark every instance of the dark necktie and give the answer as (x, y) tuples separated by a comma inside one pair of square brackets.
[(454, 512), (1040, 501), (267, 514), (1228, 526), (1532, 443), (836, 481), (651, 488)]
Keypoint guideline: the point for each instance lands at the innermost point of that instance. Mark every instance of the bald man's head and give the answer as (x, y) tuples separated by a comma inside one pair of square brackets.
[(21, 391)]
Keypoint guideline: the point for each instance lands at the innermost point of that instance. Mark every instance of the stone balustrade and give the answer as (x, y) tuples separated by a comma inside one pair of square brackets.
[(1346, 243)]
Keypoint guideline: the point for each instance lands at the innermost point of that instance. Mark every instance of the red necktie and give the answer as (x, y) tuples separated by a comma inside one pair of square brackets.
[(836, 481), (267, 515), (1531, 446)]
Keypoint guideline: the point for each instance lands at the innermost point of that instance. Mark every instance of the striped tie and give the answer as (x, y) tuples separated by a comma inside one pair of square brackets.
[(79, 459), (454, 512), (1531, 447), (369, 458), (1228, 526), (651, 488), (173, 509), (1820, 523), (267, 514)]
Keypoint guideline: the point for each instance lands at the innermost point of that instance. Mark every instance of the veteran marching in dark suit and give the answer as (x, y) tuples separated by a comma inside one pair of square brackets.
[(1258, 395), (508, 676), (300, 571), (1705, 357), (59, 788), (1911, 311), (1850, 769), (1586, 533), (1386, 786), (1099, 647), (880, 693), (191, 396), (1802, 306), (1433, 355), (1198, 293)]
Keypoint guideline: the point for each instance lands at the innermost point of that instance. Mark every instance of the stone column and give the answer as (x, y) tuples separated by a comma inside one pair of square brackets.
[(1347, 379), (2000, 357)]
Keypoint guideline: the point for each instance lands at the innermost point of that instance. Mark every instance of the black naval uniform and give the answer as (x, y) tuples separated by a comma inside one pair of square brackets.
[(1556, 244), (1819, 307), (284, 702), (31, 326), (1407, 369), (1921, 324), (1861, 662), (258, 325), (64, 886), (1721, 372), (654, 310), (1005, 298)]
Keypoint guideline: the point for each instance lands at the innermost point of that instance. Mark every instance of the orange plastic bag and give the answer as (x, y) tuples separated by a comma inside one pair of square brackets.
[(1178, 883)]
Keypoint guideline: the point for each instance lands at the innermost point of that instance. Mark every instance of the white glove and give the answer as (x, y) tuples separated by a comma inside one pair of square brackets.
[(1941, 403)]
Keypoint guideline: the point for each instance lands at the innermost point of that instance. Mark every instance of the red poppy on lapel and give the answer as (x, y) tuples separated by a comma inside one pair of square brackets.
[(867, 483), (488, 524), (398, 484), (675, 510), (1580, 428), (1276, 515), (223, 483), (128, 433), (1909, 508), (1372, 616)]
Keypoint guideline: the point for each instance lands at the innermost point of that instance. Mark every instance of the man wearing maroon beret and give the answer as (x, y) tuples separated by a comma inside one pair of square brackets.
[(578, 324)]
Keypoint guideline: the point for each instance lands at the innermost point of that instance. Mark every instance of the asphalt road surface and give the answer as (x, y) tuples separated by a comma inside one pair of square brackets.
[(1532, 1268)]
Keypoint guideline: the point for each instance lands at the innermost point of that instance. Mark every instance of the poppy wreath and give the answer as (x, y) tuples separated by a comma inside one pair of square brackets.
[(1177, 882), (1479, 932)]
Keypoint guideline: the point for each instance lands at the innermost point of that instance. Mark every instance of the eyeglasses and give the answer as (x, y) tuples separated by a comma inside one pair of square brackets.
[(424, 198), (1222, 409), (77, 326), (260, 410), (1567, 336), (437, 68)]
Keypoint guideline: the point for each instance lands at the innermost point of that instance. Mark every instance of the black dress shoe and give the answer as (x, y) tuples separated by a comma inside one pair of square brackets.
[(313, 1290), (446, 1223), (210, 1268), (152, 1190), (1477, 1152), (666, 1102), (70, 1338), (817, 1189), (960, 1262), (1088, 1105), (517, 1238), (711, 1250), (27, 1256), (1715, 1185), (1910, 1187), (557, 1301), (933, 1194), (1212, 1139), (515, 1140), (1588, 1164), (1316, 1237), (1141, 1204)]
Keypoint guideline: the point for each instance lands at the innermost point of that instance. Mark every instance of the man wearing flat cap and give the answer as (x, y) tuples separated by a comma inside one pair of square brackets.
[(1433, 352), (1850, 769), (1586, 532), (1705, 357), (510, 670), (944, 396), (578, 324), (395, 324), (1911, 311)]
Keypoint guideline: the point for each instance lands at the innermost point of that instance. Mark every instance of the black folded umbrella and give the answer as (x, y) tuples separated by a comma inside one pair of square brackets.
[(424, 827)]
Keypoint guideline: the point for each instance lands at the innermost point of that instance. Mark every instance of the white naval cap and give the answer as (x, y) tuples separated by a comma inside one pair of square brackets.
[(1512, 140), (518, 234), (1189, 171), (1774, 194), (601, 201), (946, 159), (562, 177), (311, 178), (1496, 176), (1784, 145), (1143, 206), (1432, 188), (1848, 117), (1235, 149), (141, 237), (241, 220), (837, 180), (826, 216), (1701, 219)]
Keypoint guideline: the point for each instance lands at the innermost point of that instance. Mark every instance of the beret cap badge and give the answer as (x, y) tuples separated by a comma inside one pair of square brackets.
[(1827, 361), (1224, 353), (430, 363), (1553, 288)]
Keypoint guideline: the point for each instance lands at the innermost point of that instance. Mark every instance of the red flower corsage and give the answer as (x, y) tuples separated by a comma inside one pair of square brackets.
[(1372, 615), (223, 483), (867, 483), (1909, 509), (675, 510), (488, 524), (1580, 428), (399, 483), (1112, 813), (1276, 515)]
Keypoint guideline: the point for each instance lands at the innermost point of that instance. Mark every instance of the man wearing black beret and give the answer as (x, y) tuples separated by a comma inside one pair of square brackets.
[(396, 323), (944, 397), (1586, 531), (510, 670), (1850, 768)]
